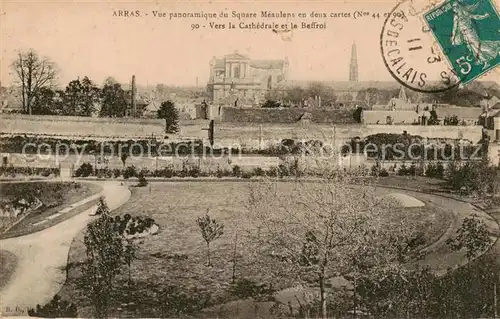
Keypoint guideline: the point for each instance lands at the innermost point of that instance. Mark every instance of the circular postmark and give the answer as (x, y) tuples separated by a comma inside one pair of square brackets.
[(411, 54)]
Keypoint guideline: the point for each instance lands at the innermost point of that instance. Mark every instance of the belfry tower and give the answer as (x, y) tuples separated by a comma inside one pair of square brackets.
[(353, 67)]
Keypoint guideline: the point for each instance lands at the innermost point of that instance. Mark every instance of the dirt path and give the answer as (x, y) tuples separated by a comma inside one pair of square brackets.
[(42, 257)]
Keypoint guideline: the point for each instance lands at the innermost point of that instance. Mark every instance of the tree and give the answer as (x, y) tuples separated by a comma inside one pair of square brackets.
[(129, 254), (44, 102), (113, 99), (170, 114), (313, 229), (477, 178), (296, 95), (104, 249), (357, 114), (210, 231), (372, 96), (124, 157), (473, 235), (80, 97), (34, 73), (326, 93)]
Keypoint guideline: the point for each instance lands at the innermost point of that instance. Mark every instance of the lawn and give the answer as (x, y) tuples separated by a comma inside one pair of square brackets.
[(176, 256), (53, 195), (8, 262)]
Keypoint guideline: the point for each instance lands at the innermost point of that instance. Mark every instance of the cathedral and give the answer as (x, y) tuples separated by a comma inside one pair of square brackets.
[(237, 80)]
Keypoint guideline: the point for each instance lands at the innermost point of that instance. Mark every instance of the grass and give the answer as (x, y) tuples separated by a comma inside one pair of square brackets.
[(54, 195), (8, 263), (177, 254)]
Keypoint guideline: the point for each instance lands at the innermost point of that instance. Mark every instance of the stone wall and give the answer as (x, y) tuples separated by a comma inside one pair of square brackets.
[(256, 135), (80, 126), (286, 115)]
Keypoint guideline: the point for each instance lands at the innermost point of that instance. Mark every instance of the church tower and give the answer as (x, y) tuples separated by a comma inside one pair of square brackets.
[(353, 67)]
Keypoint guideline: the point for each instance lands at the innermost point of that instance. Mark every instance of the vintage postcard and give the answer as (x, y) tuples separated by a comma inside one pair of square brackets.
[(250, 159)]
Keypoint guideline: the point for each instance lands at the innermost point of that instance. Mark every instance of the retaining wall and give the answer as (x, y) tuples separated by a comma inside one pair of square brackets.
[(80, 126)]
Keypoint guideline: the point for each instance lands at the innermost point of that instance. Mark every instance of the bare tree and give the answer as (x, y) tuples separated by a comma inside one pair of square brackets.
[(210, 231), (34, 73), (321, 229)]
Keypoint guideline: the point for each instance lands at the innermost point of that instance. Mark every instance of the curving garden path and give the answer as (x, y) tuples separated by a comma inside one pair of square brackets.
[(42, 256)]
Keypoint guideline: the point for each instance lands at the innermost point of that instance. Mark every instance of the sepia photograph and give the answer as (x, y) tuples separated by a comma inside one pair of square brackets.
[(250, 159)]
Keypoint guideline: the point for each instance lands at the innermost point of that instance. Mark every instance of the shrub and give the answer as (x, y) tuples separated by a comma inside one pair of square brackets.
[(272, 171), (130, 171), (237, 171), (257, 171), (117, 172), (434, 170), (403, 170), (194, 171), (85, 170), (104, 172), (145, 172), (46, 172), (383, 173), (473, 177), (283, 170), (56, 308), (245, 288), (222, 173), (142, 181), (246, 175), (167, 172)]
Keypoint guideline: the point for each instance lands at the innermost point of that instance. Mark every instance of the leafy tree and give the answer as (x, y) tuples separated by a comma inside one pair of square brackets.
[(124, 157), (170, 114), (326, 93), (33, 74), (80, 97), (44, 102), (357, 114), (296, 95), (104, 249), (473, 235), (372, 96), (433, 120), (473, 178), (210, 231), (113, 99)]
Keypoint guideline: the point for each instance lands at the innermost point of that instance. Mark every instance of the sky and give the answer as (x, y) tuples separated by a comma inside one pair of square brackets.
[(86, 39)]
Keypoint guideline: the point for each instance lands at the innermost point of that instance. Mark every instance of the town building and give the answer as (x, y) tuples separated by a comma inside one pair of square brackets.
[(237, 80), (401, 110)]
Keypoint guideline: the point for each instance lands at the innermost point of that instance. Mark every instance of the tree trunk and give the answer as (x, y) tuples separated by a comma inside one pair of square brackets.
[(129, 274), (208, 254), (324, 314), (354, 297)]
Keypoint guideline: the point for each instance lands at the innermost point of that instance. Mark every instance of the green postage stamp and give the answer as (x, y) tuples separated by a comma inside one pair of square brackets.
[(468, 32)]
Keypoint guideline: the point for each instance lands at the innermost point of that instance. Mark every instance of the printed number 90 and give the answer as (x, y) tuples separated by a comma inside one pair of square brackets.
[(195, 26), (464, 64)]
